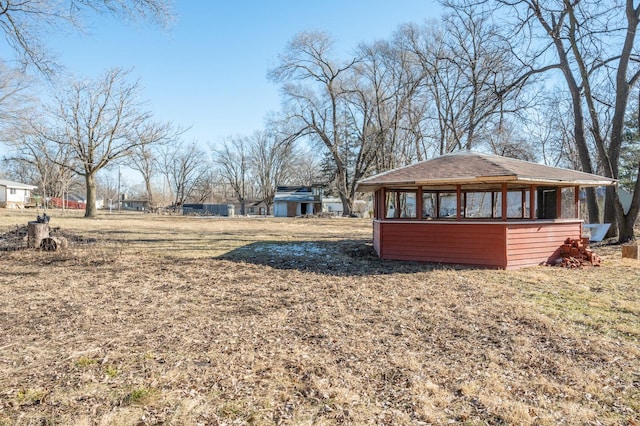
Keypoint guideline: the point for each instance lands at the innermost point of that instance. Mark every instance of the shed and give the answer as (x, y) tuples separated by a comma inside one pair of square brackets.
[(15, 194), (209, 209), (332, 205), (138, 204), (477, 209), (257, 208)]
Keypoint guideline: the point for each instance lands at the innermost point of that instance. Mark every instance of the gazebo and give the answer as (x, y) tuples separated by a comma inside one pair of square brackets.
[(476, 209)]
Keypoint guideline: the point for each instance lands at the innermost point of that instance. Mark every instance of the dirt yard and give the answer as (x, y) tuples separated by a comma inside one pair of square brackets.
[(150, 320)]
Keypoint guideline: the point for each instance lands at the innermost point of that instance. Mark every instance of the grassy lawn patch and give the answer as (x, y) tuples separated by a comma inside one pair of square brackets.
[(180, 320)]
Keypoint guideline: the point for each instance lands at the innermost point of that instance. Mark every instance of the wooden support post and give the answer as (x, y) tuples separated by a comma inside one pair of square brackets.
[(576, 201), (458, 201), (532, 202), (558, 203), (504, 202)]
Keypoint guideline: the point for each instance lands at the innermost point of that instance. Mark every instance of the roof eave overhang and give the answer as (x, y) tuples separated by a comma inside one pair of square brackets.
[(573, 182), (29, 187), (374, 186), (370, 187)]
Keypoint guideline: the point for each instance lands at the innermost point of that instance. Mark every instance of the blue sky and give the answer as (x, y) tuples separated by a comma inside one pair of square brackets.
[(208, 71)]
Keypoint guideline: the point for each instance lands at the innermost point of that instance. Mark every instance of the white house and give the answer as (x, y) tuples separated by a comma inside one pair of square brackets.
[(291, 201), (14, 194)]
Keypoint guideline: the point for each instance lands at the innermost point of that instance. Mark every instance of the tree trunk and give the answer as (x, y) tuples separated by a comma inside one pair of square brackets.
[(610, 213), (592, 205), (578, 126), (36, 232), (623, 86), (626, 231), (147, 184), (90, 209), (346, 205), (626, 222), (341, 180)]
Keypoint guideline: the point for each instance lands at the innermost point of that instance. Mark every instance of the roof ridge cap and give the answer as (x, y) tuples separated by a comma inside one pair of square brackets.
[(490, 158)]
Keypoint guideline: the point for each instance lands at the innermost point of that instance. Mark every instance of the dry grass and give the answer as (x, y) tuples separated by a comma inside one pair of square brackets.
[(173, 320)]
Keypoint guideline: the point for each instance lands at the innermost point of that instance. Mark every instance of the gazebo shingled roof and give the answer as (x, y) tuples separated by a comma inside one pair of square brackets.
[(468, 167)]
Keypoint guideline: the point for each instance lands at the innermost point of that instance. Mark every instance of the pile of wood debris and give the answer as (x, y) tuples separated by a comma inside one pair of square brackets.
[(16, 238), (575, 253)]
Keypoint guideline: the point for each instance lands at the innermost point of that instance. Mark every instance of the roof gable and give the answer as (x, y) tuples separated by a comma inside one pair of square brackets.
[(468, 167)]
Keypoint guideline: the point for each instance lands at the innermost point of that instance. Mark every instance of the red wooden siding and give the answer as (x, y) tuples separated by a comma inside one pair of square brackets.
[(376, 237), (505, 245), (532, 244), (441, 242)]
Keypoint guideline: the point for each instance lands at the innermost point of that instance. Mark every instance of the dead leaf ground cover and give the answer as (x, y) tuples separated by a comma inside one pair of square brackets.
[(172, 320)]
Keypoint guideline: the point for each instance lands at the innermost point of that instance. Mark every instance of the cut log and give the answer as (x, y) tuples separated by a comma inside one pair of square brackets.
[(36, 231), (630, 252), (54, 244)]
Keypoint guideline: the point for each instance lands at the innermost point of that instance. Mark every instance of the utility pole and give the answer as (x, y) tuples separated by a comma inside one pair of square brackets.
[(119, 202)]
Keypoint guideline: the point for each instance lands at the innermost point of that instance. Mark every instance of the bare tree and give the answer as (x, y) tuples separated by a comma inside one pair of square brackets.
[(16, 106), (233, 160), (97, 123), (184, 169), (305, 168), (630, 153), (16, 101), (470, 79), (437, 94), (27, 23), (35, 159), (503, 141), (145, 161), (108, 187), (549, 130), (145, 157), (316, 89), (593, 45), (380, 103), (271, 161), (204, 187)]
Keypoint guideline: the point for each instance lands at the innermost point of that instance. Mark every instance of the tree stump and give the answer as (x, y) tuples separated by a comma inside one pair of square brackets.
[(630, 252), (36, 231), (54, 244)]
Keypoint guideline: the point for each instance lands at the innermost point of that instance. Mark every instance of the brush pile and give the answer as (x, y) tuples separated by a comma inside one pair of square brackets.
[(15, 238)]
